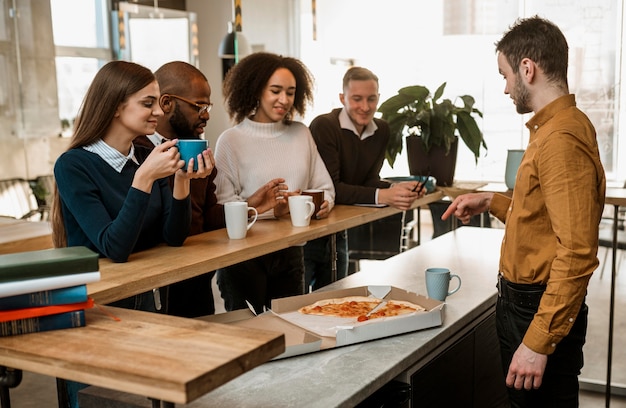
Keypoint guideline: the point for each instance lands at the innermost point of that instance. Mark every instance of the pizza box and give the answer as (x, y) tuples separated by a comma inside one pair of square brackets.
[(297, 341), (303, 333)]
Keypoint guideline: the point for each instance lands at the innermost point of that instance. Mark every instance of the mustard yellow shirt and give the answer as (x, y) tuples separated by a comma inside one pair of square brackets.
[(552, 218)]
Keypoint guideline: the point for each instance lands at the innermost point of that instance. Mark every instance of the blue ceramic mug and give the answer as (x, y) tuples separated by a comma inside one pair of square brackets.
[(190, 149), (438, 283), (513, 160)]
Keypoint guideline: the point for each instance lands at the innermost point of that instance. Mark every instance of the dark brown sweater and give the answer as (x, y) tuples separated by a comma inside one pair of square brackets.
[(353, 164)]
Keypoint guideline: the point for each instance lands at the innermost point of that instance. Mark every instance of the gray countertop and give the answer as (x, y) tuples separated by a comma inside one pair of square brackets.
[(344, 376)]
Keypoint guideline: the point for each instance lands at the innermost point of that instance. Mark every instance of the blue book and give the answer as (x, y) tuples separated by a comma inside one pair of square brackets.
[(73, 294), (58, 321)]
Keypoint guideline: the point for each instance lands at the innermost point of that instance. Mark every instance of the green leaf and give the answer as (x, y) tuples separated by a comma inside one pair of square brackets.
[(439, 92), (470, 133)]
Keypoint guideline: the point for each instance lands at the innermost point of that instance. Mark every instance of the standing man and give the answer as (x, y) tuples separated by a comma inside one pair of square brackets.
[(186, 101), (549, 250), (352, 144)]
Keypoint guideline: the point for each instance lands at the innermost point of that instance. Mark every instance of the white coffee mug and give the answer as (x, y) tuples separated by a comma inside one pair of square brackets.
[(237, 223), (301, 207)]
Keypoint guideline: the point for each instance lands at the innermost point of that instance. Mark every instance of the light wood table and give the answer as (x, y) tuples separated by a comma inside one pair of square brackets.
[(22, 235), (209, 251), (165, 358)]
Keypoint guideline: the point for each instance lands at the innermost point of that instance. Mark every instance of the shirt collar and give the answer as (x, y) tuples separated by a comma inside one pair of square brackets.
[(346, 123), (155, 138), (551, 109), (110, 155)]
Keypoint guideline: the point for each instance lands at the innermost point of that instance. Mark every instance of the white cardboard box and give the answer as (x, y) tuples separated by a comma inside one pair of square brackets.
[(300, 340)]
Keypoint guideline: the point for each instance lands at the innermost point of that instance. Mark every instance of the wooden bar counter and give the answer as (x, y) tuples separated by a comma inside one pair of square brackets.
[(206, 252)]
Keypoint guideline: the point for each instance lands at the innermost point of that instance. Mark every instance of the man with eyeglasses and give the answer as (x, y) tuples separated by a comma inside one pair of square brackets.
[(186, 103)]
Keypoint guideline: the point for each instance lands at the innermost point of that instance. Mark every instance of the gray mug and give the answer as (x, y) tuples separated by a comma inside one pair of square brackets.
[(438, 283)]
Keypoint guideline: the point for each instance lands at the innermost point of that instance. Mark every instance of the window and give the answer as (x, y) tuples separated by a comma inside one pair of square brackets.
[(82, 47), (427, 43)]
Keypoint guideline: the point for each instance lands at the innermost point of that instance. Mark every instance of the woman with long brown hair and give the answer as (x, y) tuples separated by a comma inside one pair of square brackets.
[(104, 199)]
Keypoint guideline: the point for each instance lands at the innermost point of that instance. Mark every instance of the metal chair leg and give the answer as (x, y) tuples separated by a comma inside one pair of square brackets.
[(9, 378)]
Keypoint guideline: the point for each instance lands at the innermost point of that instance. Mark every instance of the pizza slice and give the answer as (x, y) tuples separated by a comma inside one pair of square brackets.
[(393, 308)]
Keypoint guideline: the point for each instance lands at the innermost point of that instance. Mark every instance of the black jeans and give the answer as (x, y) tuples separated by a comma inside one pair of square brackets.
[(192, 297), (559, 386), (259, 280)]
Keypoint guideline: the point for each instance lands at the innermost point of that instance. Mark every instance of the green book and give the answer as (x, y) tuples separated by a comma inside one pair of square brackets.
[(47, 263)]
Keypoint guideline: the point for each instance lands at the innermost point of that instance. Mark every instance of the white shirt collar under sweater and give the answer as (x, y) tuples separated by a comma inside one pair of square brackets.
[(346, 123), (155, 138), (263, 130), (110, 155)]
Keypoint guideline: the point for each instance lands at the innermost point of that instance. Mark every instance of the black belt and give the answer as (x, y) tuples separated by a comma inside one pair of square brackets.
[(522, 295)]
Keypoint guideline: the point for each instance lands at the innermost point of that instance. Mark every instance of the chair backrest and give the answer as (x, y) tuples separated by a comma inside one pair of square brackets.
[(17, 200)]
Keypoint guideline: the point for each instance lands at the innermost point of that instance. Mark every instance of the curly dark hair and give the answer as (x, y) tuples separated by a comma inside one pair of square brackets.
[(245, 82)]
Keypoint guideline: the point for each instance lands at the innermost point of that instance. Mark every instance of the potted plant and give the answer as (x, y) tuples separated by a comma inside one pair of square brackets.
[(432, 126)]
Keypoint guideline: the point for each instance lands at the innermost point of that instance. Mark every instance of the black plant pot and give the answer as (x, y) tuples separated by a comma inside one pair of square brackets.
[(435, 163)]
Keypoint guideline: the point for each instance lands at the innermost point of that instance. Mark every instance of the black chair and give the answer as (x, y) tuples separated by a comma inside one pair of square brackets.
[(382, 239)]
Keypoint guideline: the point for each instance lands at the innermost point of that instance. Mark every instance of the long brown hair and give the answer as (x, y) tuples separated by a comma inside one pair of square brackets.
[(110, 88)]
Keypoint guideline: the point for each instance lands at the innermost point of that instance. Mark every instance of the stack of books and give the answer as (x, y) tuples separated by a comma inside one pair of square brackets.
[(45, 290)]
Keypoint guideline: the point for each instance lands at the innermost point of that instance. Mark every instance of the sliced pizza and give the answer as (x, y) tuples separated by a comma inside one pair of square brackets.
[(352, 306), (360, 307)]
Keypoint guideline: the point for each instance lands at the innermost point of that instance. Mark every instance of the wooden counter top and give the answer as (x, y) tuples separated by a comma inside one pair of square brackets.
[(162, 357), (205, 252), (22, 235)]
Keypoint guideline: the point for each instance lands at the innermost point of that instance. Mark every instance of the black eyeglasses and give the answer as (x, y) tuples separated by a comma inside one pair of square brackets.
[(201, 107)]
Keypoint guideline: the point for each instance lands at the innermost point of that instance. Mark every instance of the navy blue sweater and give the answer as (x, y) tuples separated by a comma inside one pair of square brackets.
[(103, 212)]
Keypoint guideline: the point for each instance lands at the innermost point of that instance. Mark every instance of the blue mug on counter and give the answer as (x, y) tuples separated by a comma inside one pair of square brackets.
[(438, 283)]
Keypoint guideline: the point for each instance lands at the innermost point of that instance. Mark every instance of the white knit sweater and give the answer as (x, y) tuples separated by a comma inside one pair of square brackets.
[(253, 153)]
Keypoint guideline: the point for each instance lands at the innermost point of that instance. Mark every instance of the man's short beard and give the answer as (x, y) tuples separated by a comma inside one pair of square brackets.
[(180, 126), (522, 96)]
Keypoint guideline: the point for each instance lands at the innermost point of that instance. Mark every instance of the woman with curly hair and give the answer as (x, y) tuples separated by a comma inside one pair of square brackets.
[(262, 94)]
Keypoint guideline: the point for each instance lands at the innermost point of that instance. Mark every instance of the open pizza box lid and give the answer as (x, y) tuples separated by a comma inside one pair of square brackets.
[(297, 340), (304, 335)]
